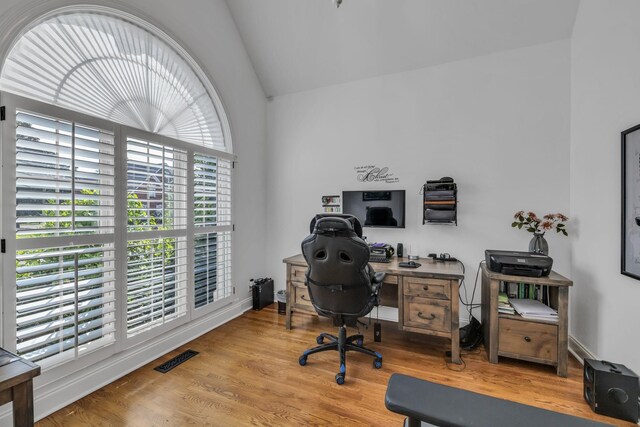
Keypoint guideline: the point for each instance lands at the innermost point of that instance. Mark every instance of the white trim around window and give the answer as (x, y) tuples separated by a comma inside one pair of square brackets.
[(133, 236)]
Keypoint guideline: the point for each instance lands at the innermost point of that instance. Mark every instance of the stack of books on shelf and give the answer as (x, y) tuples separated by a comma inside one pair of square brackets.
[(503, 304), (534, 310), (525, 290)]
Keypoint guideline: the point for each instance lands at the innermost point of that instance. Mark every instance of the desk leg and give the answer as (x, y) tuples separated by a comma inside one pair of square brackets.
[(23, 404), (289, 298), (455, 322), (563, 330), (492, 306)]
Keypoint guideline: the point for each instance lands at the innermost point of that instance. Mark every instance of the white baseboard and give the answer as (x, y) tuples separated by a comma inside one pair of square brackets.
[(579, 351), (52, 397)]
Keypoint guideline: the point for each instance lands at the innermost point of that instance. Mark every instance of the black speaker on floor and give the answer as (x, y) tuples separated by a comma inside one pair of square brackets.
[(262, 292), (611, 389)]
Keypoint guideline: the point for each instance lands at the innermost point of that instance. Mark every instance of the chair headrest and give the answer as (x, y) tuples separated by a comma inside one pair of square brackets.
[(342, 224)]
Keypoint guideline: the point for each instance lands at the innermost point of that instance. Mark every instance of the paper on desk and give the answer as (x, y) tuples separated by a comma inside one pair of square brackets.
[(532, 307)]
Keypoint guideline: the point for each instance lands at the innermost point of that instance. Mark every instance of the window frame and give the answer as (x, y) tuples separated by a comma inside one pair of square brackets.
[(120, 236)]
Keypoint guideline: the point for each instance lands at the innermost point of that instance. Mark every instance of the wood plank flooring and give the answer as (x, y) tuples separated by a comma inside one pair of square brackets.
[(247, 373)]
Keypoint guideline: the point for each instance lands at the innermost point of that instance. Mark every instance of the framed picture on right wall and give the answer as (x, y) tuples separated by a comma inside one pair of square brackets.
[(631, 202)]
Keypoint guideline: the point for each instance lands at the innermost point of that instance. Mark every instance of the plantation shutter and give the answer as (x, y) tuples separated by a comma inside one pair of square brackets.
[(156, 235), (212, 221), (64, 191)]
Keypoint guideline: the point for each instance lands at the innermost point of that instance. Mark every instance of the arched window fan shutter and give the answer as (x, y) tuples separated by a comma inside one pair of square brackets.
[(111, 68)]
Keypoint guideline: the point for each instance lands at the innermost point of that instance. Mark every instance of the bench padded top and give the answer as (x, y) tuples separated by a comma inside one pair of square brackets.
[(449, 406)]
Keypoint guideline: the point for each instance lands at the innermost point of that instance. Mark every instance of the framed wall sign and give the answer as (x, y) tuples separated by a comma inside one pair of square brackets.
[(631, 202)]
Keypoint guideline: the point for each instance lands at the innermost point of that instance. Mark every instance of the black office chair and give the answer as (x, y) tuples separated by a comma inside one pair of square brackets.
[(341, 283)]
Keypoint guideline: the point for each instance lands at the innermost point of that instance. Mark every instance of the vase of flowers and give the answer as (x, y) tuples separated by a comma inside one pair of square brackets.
[(539, 226)]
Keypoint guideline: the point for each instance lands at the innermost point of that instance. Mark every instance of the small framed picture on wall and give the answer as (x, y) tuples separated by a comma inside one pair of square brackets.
[(631, 202)]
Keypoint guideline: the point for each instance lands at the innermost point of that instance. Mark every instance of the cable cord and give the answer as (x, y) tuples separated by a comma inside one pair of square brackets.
[(469, 305)]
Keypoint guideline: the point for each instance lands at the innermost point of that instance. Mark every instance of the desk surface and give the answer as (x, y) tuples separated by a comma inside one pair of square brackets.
[(429, 267)]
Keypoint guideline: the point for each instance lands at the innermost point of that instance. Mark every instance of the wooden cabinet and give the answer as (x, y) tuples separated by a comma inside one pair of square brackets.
[(512, 336)]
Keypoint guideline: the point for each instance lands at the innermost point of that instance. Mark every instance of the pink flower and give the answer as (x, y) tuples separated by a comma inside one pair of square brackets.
[(549, 216), (533, 216), (562, 217), (519, 213), (546, 225)]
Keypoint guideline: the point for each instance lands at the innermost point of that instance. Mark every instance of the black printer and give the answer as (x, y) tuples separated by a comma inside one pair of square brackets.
[(514, 263)]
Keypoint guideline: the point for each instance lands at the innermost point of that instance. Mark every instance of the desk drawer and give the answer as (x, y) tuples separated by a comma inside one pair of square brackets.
[(427, 287), (390, 279), (528, 340), (297, 273), (426, 313), (301, 295)]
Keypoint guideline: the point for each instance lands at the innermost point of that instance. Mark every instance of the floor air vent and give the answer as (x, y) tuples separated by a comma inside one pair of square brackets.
[(170, 364)]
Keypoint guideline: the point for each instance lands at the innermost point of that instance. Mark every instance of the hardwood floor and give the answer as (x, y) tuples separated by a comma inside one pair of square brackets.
[(247, 373)]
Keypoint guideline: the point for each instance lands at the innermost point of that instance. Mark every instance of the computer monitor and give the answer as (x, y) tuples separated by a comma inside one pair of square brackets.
[(384, 208)]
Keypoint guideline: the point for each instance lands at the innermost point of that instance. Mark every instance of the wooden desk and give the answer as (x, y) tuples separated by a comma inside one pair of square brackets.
[(512, 336), (16, 384), (426, 297)]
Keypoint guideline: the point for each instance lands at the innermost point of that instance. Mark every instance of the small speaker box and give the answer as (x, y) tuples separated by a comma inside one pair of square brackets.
[(400, 251), (262, 292), (611, 389)]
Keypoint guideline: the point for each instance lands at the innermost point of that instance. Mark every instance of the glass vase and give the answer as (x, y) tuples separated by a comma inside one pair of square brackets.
[(538, 244)]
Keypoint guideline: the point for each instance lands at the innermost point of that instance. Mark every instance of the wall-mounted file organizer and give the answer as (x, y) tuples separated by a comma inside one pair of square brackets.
[(331, 204), (440, 202)]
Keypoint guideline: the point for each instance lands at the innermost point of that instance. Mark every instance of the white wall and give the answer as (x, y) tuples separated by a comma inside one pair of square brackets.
[(605, 100), (206, 29), (497, 124)]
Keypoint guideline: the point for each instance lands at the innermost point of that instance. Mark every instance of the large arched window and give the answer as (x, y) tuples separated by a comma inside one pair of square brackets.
[(117, 183)]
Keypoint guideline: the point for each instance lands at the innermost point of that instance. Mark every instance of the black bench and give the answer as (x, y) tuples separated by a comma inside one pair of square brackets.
[(441, 405)]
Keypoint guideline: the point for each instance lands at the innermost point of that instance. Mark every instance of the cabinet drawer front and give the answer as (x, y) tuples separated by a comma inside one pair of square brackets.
[(297, 273), (391, 279), (301, 296), (427, 288), (528, 339), (425, 313)]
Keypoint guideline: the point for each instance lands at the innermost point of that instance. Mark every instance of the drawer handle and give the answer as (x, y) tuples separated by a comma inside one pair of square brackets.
[(425, 288), (527, 339), (430, 317)]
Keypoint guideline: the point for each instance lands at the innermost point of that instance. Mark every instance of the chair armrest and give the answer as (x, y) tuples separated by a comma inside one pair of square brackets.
[(378, 277)]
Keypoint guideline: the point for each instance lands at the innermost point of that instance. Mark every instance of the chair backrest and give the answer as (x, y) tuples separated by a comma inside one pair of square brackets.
[(338, 277)]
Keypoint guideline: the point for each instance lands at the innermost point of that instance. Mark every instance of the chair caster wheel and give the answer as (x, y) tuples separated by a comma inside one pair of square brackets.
[(377, 363), (320, 339), (302, 360), (340, 379)]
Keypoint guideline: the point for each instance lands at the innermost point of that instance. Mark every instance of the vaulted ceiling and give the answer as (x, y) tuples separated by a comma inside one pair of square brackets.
[(298, 45)]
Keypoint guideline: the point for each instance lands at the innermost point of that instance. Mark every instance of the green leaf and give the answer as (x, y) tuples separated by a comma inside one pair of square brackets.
[(514, 224), (520, 218), (531, 229), (565, 232), (520, 226)]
